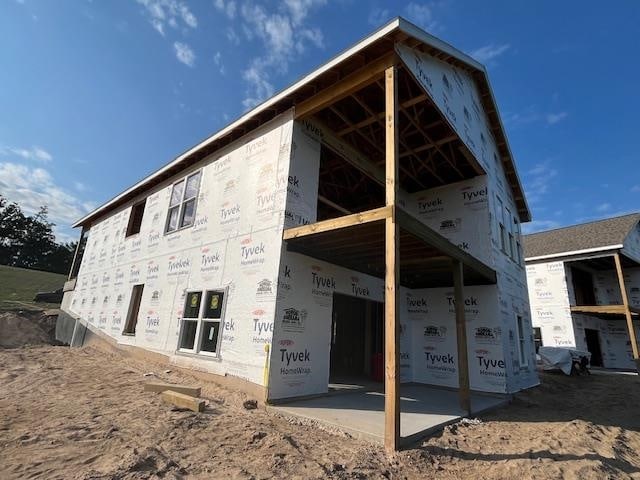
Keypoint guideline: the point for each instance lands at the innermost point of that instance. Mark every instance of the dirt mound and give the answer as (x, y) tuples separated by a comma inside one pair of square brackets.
[(21, 328)]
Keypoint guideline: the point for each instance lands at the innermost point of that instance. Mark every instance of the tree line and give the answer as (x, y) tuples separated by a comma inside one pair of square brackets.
[(28, 241)]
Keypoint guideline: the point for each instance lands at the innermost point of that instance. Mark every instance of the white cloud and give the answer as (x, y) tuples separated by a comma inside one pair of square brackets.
[(379, 16), (79, 186), (168, 12), (284, 36), (603, 207), (553, 118), (232, 36), (489, 52), (217, 60), (422, 15), (539, 225), (34, 153), (184, 53), (228, 8), (32, 188), (537, 180)]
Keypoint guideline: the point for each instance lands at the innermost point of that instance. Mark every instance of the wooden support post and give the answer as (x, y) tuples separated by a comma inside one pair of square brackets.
[(627, 310), (461, 335), (392, 270), (75, 264)]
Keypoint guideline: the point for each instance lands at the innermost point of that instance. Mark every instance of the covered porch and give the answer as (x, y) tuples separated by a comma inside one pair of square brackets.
[(360, 411), (383, 139)]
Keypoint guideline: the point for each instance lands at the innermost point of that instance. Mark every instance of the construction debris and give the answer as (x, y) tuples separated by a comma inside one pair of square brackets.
[(181, 400), (161, 387)]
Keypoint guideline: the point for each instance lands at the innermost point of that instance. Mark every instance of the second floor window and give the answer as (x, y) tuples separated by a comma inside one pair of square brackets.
[(182, 205)]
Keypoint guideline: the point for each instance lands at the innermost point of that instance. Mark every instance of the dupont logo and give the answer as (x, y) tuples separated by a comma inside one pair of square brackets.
[(286, 343), (450, 225)]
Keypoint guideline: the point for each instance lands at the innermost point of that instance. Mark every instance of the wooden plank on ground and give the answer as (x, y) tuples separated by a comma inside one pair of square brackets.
[(161, 387), (181, 400)]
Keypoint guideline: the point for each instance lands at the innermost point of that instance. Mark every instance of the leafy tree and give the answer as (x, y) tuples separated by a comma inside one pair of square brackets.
[(29, 241)]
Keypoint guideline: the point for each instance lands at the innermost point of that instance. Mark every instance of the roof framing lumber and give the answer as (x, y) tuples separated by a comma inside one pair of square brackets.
[(351, 83)]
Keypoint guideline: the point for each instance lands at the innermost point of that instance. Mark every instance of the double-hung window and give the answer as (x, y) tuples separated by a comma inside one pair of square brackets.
[(182, 205), (201, 322)]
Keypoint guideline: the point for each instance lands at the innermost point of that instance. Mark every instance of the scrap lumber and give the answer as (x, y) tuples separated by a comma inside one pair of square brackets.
[(181, 400), (161, 387)]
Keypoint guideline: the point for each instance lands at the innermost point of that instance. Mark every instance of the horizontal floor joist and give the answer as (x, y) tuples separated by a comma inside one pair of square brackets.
[(408, 223), (337, 223), (604, 309)]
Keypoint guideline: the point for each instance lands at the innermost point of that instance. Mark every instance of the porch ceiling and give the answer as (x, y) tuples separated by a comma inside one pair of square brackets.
[(361, 248)]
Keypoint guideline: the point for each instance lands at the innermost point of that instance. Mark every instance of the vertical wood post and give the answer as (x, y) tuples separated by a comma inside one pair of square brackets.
[(625, 303), (461, 336), (392, 267)]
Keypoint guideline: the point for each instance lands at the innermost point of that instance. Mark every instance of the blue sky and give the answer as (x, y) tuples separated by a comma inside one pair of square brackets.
[(96, 95)]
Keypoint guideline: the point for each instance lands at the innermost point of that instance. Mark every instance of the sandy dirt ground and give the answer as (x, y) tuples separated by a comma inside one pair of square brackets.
[(82, 413)]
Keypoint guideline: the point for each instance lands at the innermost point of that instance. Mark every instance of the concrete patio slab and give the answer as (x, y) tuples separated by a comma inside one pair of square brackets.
[(424, 410)]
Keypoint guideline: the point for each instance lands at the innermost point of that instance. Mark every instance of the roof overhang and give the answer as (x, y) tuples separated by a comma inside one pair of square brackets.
[(397, 30)]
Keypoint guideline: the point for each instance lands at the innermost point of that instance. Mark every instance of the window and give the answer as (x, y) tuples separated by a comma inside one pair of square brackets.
[(182, 205), (537, 337), (521, 342), (201, 322), (501, 231), (134, 309), (135, 219)]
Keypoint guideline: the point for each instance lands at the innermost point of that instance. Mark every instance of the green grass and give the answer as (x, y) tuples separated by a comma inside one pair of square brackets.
[(18, 287)]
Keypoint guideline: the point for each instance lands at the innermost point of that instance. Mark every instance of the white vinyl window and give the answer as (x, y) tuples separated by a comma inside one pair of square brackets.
[(201, 322), (510, 227), (521, 342), (182, 205)]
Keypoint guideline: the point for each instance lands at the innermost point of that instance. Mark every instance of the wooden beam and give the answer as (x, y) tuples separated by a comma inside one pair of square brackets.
[(380, 116), (625, 303), (333, 205), (392, 270), (337, 223), (461, 336), (161, 387), (414, 226), (181, 400), (600, 309), (348, 85)]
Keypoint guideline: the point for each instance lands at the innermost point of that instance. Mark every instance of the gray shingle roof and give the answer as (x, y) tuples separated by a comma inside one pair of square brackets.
[(602, 233)]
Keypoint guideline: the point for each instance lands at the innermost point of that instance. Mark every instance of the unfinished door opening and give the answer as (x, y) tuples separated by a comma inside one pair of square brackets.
[(583, 287), (592, 337), (134, 309), (357, 341)]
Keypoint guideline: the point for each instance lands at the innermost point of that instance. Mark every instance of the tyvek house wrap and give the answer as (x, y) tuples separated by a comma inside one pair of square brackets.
[(235, 244)]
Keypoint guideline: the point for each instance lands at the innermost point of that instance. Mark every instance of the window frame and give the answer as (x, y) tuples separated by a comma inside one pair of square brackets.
[(183, 201), (501, 226), (128, 233), (131, 322), (522, 358), (197, 343)]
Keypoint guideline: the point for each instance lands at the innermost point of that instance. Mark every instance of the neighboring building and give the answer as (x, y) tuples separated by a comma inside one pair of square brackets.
[(261, 253), (584, 288)]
